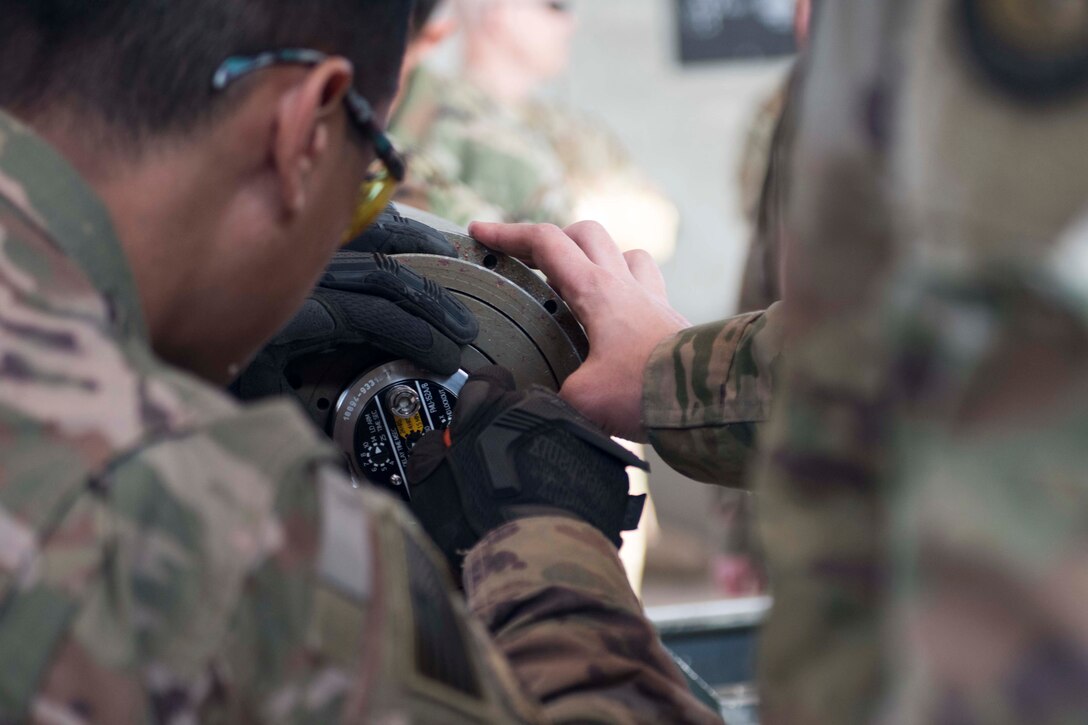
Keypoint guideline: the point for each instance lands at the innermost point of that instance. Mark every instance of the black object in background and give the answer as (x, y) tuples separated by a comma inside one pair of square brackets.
[(734, 29)]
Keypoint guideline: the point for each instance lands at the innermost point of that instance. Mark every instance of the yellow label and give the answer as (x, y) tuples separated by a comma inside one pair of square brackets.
[(407, 427)]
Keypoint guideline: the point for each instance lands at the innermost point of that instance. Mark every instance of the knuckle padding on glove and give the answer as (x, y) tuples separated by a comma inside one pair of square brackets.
[(393, 233), (542, 452), (374, 319), (552, 469), (556, 469), (383, 276), (383, 319), (313, 320)]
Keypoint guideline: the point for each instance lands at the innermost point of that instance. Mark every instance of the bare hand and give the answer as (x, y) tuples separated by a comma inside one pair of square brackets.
[(620, 300)]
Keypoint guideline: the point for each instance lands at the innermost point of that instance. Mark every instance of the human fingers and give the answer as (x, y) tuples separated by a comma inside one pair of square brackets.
[(645, 271), (597, 243), (517, 240), (547, 248)]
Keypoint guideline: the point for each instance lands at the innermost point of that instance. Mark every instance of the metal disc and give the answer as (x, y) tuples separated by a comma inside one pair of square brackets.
[(524, 325), (517, 330), (365, 427)]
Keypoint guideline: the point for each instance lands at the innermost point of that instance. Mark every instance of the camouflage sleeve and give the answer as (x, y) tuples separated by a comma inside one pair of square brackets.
[(989, 523), (556, 598), (706, 391), (990, 544)]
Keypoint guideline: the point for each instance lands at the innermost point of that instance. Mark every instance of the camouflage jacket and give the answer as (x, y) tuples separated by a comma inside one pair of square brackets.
[(166, 555), (479, 158), (987, 497), (816, 473)]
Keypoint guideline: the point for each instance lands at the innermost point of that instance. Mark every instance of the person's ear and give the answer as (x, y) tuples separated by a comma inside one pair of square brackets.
[(307, 115)]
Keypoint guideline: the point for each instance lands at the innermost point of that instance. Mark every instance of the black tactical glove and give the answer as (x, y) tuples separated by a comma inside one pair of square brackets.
[(392, 233), (511, 454), (367, 300)]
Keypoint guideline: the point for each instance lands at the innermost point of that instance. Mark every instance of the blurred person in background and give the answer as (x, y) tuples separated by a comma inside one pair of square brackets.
[(525, 157), (427, 185), (471, 130), (764, 177)]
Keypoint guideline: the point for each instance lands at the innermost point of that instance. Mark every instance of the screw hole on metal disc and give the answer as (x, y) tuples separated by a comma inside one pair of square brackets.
[(323, 404), (551, 306), (294, 380), (491, 261)]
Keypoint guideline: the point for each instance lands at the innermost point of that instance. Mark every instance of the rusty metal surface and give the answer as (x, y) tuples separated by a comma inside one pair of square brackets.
[(517, 328), (524, 325)]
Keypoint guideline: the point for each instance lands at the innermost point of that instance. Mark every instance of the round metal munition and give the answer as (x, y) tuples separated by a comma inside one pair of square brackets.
[(520, 329), (524, 327), (555, 319), (382, 415)]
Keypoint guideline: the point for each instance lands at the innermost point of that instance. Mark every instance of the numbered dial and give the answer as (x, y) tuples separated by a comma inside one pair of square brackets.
[(383, 415)]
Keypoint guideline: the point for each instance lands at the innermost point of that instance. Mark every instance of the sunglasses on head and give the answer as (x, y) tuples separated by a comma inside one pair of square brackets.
[(388, 170)]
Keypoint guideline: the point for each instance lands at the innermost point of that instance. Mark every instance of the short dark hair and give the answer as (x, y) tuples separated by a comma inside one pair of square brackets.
[(421, 14), (144, 67)]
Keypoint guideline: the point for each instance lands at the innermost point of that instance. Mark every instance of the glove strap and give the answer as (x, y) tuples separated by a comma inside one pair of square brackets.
[(635, 505), (497, 444)]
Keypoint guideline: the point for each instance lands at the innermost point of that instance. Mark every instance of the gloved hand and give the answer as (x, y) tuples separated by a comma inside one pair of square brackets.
[(512, 454), (392, 233), (370, 300)]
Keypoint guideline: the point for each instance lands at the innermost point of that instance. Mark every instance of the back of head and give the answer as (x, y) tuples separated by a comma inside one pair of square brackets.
[(134, 70)]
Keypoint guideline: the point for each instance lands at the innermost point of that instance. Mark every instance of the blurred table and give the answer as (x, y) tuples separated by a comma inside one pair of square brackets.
[(714, 643)]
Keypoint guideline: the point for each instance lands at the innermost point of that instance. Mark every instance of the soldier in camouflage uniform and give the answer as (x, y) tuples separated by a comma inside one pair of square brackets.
[(469, 136), (488, 150), (470, 140), (427, 186), (165, 554)]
